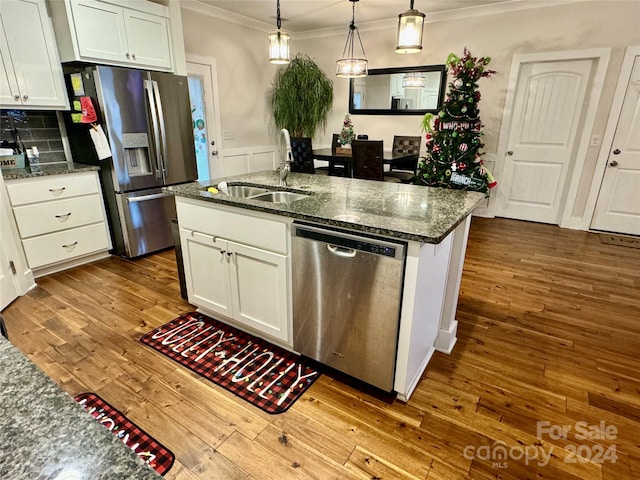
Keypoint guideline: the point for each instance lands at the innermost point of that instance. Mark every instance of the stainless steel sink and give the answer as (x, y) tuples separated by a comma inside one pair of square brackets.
[(279, 197), (244, 191)]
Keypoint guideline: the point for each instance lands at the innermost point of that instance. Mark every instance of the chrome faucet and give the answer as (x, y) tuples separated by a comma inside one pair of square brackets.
[(285, 156)]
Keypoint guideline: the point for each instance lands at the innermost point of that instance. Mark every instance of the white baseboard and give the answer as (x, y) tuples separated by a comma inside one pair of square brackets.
[(446, 339)]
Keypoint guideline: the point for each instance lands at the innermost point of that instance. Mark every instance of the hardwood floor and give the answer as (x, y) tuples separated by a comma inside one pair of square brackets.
[(549, 332)]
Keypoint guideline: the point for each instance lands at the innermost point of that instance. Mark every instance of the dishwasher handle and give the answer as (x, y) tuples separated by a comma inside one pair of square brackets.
[(342, 251), (346, 242)]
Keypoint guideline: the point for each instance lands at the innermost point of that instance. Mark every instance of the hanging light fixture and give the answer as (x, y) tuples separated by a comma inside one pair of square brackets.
[(410, 25), (278, 42), (350, 66), (414, 80)]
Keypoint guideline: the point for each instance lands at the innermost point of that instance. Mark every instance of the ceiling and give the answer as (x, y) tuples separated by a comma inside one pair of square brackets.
[(311, 15)]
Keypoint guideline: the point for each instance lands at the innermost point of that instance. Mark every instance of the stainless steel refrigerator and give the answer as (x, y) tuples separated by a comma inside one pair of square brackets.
[(147, 119)]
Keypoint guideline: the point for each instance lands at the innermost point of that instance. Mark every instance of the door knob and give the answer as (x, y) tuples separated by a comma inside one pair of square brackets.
[(16, 97), (214, 153), (613, 163), (510, 152), (616, 152), (126, 55), (25, 97), (213, 142)]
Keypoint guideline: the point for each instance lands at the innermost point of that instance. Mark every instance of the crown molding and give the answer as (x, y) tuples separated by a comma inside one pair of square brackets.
[(227, 16), (448, 15)]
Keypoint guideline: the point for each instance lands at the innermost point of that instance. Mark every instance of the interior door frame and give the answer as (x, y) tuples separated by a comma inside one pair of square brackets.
[(607, 139), (215, 169), (601, 57)]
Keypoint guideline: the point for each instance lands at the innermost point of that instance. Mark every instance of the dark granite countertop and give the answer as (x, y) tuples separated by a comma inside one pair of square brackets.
[(46, 435), (42, 169), (408, 212)]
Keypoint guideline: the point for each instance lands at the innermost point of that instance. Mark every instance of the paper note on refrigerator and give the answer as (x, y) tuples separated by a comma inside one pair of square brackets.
[(100, 142)]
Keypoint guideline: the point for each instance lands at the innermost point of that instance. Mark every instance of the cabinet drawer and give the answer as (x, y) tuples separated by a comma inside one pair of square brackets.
[(258, 232), (50, 217), (66, 245), (51, 187)]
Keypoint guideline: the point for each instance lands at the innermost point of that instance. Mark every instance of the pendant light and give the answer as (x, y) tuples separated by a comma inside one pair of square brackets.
[(410, 25), (278, 42), (350, 66), (414, 80)]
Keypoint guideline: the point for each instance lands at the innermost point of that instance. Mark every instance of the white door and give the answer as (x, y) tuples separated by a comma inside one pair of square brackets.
[(91, 17), (33, 51), (260, 290), (148, 39), (547, 110), (203, 92), (618, 206), (8, 287), (206, 268)]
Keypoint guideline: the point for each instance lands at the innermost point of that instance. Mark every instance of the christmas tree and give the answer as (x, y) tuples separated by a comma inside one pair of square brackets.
[(454, 135), (346, 135)]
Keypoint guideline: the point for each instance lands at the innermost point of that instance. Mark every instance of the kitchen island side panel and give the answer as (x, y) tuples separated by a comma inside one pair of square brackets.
[(423, 301)]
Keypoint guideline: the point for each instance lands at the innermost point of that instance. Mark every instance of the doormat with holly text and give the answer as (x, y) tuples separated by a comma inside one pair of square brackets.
[(269, 377), (152, 452)]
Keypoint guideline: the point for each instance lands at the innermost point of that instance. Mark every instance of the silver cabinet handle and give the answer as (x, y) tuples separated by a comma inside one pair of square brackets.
[(133, 55), (69, 245), (64, 215), (613, 163), (57, 191), (25, 97), (126, 54), (16, 97)]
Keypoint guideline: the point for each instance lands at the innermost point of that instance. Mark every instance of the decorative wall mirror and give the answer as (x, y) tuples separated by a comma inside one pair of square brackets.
[(398, 91)]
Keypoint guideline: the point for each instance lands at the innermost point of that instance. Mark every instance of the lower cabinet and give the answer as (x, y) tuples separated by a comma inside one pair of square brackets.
[(61, 220), (237, 275)]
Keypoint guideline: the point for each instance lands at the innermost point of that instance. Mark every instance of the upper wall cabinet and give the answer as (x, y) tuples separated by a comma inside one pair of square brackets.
[(30, 75), (132, 33)]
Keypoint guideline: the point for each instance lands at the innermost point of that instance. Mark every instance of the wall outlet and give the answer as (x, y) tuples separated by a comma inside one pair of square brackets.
[(228, 135), (595, 141)]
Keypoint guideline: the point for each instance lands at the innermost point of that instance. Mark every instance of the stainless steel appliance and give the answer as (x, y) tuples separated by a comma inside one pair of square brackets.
[(347, 291), (147, 119)]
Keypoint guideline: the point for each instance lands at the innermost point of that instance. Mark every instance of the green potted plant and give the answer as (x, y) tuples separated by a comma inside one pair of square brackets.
[(301, 97)]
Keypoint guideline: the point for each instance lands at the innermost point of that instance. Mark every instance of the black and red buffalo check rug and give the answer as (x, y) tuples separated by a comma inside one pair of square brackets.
[(145, 446), (269, 377)]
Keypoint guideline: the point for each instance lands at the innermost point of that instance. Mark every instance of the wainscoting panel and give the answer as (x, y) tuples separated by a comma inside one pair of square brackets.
[(237, 161)]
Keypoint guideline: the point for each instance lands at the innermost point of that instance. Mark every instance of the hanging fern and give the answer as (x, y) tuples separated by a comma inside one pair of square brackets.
[(301, 97)]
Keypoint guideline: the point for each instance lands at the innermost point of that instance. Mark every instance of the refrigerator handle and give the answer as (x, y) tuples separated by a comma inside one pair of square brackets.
[(148, 89), (163, 132)]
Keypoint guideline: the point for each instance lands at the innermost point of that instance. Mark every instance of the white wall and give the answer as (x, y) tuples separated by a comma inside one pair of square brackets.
[(245, 74)]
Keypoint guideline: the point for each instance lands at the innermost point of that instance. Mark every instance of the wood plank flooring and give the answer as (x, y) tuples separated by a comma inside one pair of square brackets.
[(549, 332)]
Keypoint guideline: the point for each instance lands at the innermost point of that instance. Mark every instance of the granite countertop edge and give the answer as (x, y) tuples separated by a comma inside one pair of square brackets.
[(46, 169), (324, 188)]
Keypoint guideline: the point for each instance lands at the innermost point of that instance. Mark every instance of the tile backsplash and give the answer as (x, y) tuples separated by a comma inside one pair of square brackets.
[(36, 129)]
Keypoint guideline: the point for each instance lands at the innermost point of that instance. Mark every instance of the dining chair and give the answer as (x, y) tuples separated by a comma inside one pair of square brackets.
[(335, 168), (405, 170), (302, 152), (368, 160)]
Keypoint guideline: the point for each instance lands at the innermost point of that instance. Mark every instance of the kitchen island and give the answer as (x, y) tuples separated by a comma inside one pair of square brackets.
[(237, 253), (45, 434)]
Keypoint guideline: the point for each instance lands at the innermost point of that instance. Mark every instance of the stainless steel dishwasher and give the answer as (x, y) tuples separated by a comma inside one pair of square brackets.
[(347, 290)]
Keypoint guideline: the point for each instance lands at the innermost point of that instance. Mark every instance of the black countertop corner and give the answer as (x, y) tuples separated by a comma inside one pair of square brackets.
[(46, 435)]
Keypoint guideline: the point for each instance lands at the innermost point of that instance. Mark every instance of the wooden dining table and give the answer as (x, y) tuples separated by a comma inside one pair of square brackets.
[(346, 160)]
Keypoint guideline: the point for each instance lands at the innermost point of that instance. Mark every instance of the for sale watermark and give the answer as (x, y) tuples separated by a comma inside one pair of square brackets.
[(499, 454)]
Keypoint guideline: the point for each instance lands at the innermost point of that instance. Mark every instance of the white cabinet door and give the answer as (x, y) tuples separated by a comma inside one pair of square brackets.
[(8, 288), (206, 268), (9, 93), (100, 30), (31, 46), (260, 290), (148, 37)]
